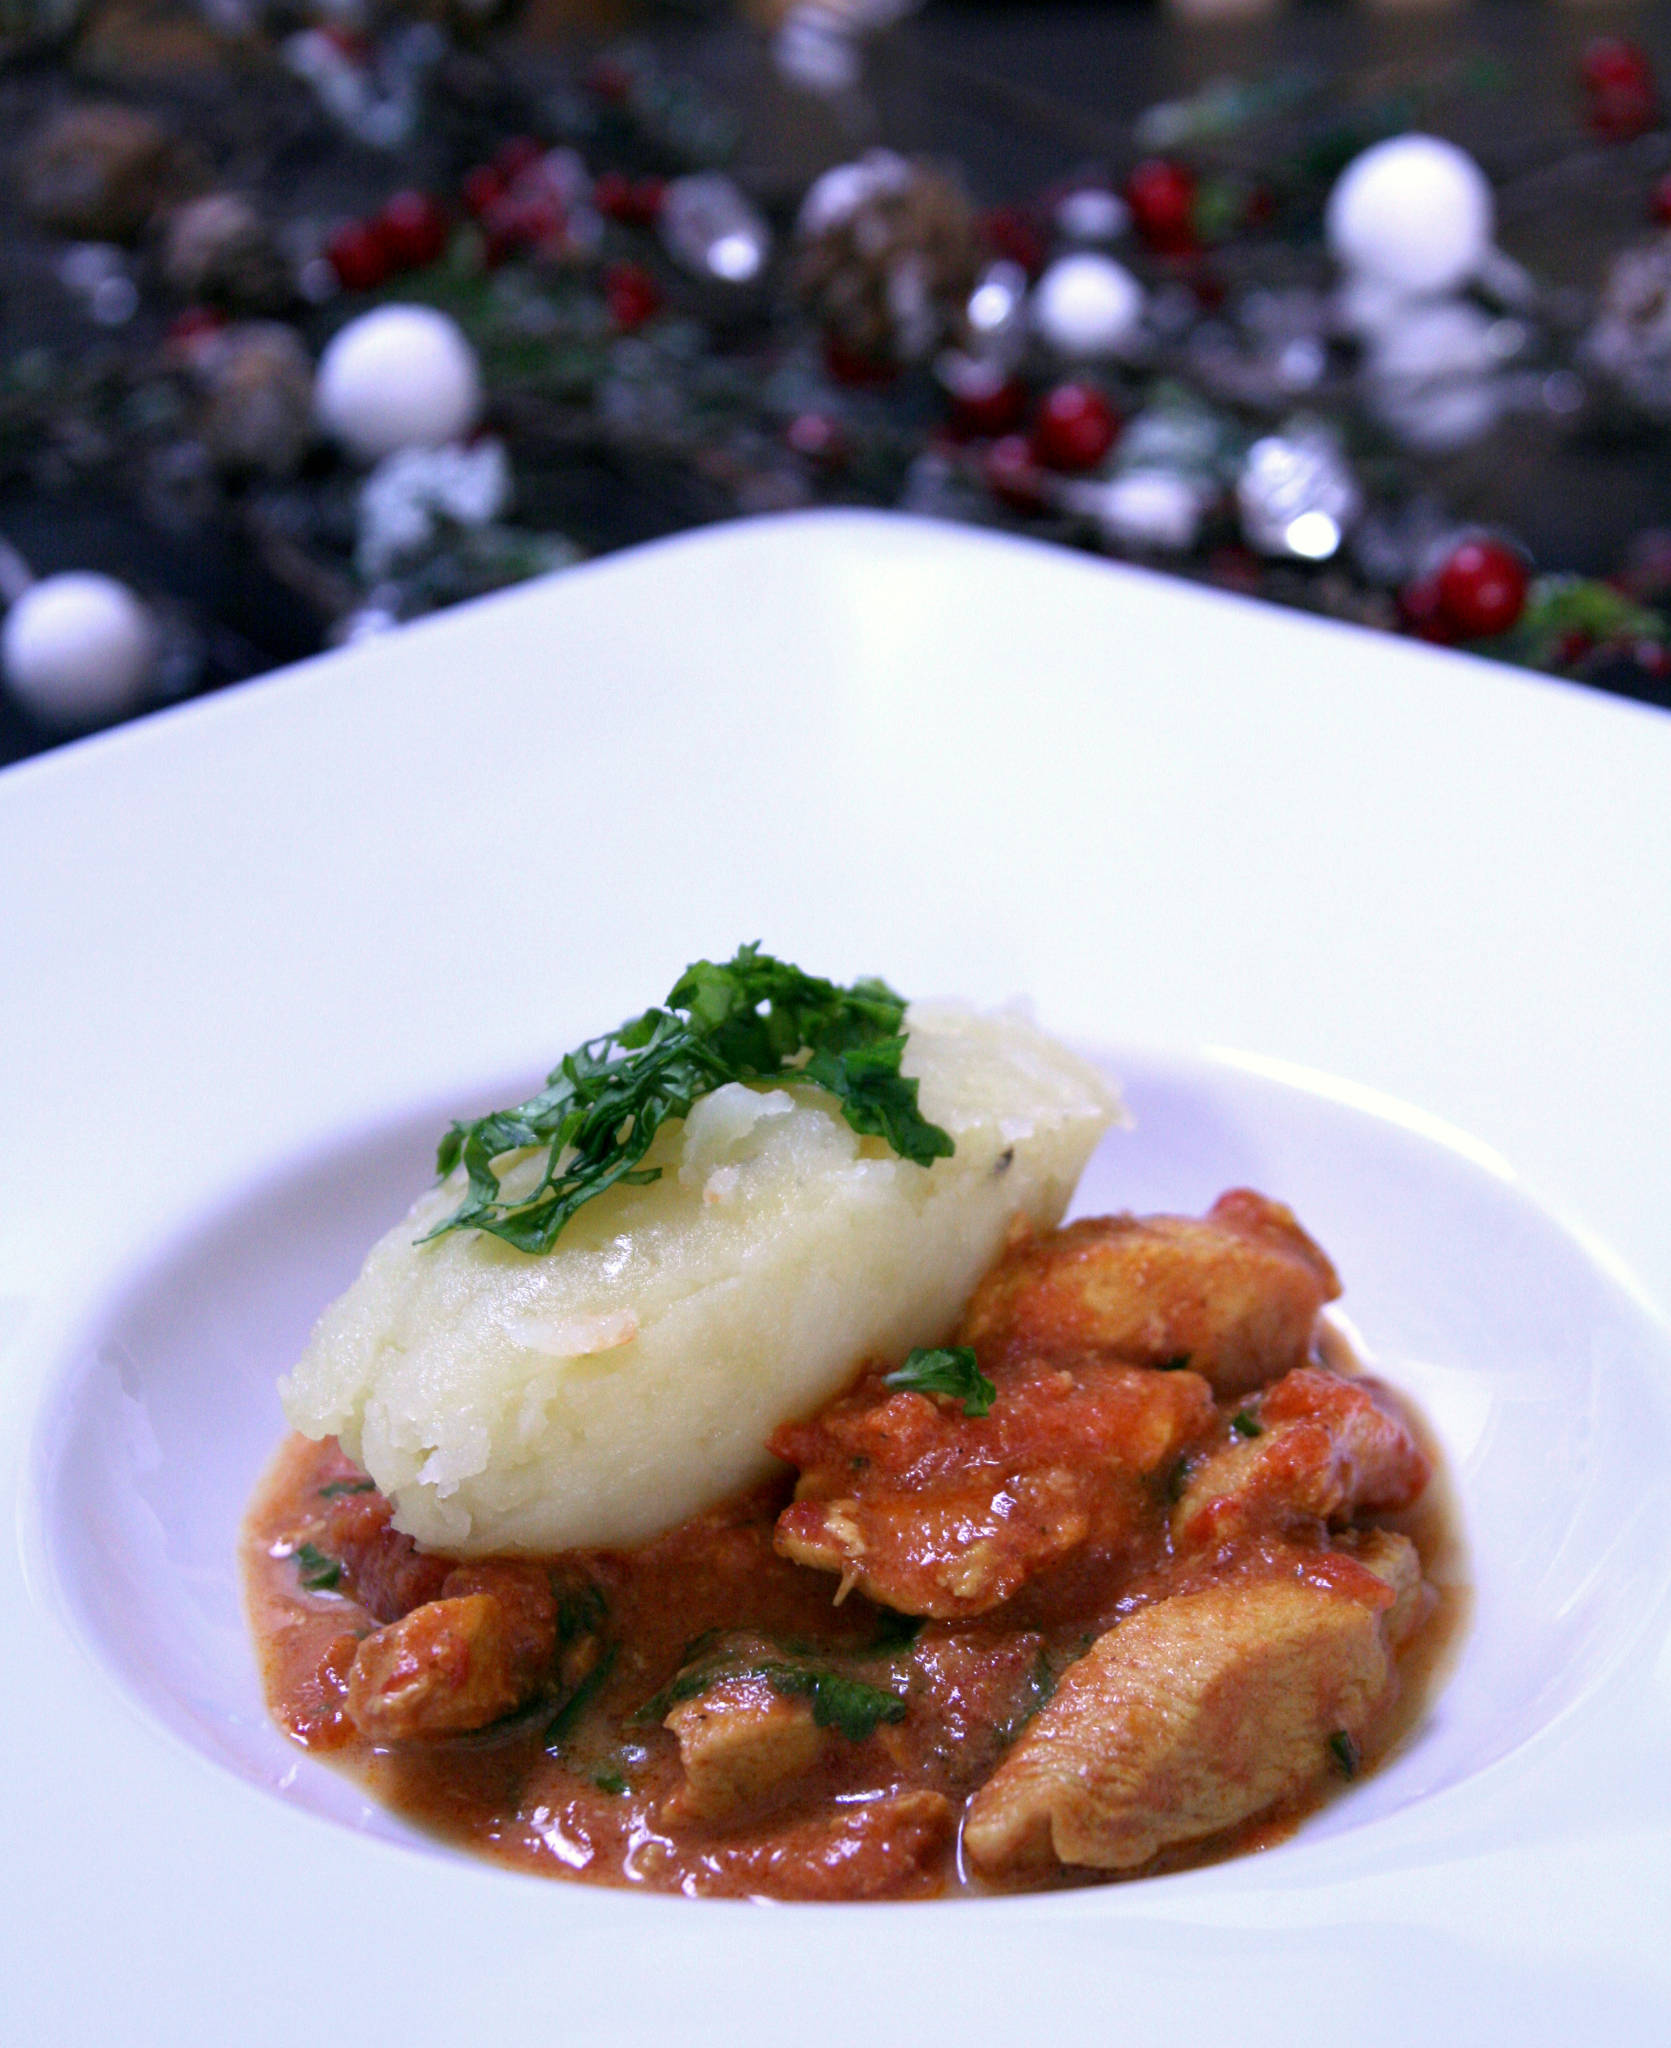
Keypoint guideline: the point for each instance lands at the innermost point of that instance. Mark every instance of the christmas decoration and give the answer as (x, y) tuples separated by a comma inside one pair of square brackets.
[(1414, 214), (77, 649), (1088, 306), (888, 258), (401, 377)]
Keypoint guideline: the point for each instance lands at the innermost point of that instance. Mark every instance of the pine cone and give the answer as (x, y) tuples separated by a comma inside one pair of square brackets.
[(889, 256)]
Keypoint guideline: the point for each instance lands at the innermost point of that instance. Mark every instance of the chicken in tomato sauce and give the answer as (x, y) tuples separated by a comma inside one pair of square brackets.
[(1129, 1575)]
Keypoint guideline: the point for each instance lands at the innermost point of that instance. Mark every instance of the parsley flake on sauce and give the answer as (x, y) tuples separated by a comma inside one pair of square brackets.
[(318, 1573), (750, 1018), (946, 1369)]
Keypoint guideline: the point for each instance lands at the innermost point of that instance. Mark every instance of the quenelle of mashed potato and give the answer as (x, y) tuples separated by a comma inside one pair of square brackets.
[(608, 1388)]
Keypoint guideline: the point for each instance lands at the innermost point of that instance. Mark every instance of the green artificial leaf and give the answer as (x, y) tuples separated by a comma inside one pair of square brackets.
[(317, 1572), (946, 1369), (750, 1018)]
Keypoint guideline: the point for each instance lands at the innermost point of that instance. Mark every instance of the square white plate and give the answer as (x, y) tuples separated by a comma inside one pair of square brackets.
[(1384, 928)]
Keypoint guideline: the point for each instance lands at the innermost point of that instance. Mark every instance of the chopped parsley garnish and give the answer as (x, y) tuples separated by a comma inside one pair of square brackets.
[(340, 1486), (848, 1705), (948, 1369), (1245, 1424), (894, 1631), (751, 1018), (611, 1782), (318, 1573), (581, 1611), (562, 1724), (1345, 1753), (1179, 1363)]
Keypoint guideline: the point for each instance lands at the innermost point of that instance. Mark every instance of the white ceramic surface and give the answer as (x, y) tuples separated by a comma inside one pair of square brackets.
[(1382, 929)]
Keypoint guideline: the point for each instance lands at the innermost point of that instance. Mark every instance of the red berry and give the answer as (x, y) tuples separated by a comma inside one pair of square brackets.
[(1233, 567), (519, 154), (612, 195), (1482, 588), (194, 324), (1422, 612), (1161, 195), (350, 43), (414, 230), (816, 436), (479, 188), (512, 225), (631, 294), (1013, 475), (1075, 427), (987, 403), (1659, 201), (610, 80), (1014, 234), (359, 256), (635, 202), (848, 366), (1619, 80)]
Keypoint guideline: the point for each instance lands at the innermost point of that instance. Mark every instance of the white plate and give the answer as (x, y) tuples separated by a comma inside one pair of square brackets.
[(1382, 929)]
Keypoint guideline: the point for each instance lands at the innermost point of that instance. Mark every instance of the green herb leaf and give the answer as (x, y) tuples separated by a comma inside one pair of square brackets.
[(848, 1705), (610, 1781), (894, 1631), (1178, 1364), (751, 1018), (1245, 1424), (562, 1724), (318, 1573), (950, 1370), (340, 1486), (1346, 1753)]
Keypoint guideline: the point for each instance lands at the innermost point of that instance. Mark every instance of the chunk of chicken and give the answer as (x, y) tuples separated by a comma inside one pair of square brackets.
[(742, 1746), (385, 1571), (458, 1662), (1330, 1448), (1235, 1295), (934, 1511), (1190, 1716)]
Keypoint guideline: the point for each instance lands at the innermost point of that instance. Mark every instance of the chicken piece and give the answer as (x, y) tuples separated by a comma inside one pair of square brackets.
[(1188, 1717), (455, 1663), (1394, 1560), (934, 1511), (385, 1571), (1236, 1295), (742, 1746), (1329, 1448)]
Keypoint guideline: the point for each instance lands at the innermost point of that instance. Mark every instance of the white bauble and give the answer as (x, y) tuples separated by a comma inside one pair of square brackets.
[(1087, 305), (401, 377), (1415, 213), (78, 649)]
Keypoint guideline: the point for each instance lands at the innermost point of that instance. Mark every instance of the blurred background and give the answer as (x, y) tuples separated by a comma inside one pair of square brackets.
[(320, 314)]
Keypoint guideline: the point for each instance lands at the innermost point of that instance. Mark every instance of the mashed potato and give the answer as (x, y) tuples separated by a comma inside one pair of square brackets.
[(607, 1389)]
